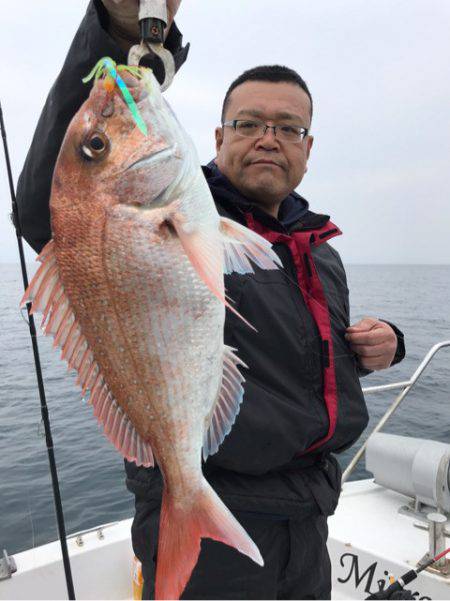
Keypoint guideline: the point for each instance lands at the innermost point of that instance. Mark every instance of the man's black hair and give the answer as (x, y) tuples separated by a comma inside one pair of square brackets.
[(272, 73)]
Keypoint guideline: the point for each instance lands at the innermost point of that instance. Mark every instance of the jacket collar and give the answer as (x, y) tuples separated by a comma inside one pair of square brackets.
[(294, 212)]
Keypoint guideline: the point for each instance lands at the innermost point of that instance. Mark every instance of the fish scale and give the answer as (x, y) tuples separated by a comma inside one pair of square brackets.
[(172, 397)]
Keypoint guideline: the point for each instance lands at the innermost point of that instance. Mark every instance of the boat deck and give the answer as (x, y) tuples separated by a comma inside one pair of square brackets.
[(369, 540)]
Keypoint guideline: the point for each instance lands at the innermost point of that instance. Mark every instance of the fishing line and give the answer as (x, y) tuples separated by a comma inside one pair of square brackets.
[(30, 516), (333, 319), (23, 310), (40, 382)]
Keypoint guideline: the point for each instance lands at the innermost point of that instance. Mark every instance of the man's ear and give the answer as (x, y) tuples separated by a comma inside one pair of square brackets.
[(309, 143), (219, 138)]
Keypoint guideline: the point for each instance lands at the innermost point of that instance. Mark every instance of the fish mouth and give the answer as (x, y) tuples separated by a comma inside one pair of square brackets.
[(155, 157)]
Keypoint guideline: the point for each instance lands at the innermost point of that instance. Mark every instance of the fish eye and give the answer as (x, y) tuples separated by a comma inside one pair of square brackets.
[(95, 146)]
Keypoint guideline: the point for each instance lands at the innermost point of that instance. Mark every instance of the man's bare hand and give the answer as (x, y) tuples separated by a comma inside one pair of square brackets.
[(374, 342), (124, 23)]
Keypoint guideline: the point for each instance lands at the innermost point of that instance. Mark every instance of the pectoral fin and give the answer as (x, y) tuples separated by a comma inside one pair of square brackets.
[(242, 244), (204, 249)]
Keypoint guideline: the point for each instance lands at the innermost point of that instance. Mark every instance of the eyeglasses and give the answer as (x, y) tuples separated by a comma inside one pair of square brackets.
[(257, 129)]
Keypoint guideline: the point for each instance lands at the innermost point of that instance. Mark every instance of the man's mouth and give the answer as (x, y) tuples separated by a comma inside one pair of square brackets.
[(266, 162)]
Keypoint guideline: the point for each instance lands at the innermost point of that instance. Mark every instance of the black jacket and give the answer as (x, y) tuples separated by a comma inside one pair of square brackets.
[(262, 464)]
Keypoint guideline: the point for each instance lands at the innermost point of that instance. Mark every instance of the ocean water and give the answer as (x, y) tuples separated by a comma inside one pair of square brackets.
[(92, 480)]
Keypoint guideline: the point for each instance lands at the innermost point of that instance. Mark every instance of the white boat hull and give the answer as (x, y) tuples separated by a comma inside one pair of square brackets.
[(101, 567)]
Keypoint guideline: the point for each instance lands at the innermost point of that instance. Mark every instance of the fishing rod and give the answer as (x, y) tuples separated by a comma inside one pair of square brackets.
[(40, 382), (394, 591)]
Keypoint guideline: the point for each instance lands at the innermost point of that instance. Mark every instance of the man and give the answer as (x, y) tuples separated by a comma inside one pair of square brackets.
[(303, 400)]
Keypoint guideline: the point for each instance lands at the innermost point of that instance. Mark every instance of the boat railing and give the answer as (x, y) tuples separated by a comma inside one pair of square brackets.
[(406, 386), (99, 530)]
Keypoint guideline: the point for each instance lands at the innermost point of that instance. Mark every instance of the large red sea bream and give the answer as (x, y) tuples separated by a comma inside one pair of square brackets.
[(131, 287)]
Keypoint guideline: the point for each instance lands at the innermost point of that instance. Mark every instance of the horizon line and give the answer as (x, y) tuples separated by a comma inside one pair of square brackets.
[(345, 263)]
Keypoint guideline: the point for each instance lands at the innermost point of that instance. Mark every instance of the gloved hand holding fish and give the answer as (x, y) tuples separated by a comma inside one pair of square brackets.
[(131, 288)]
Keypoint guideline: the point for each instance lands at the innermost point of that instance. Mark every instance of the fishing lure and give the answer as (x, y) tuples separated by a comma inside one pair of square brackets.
[(108, 69)]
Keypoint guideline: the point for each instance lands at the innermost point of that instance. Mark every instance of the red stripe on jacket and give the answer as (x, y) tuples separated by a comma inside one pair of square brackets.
[(299, 243)]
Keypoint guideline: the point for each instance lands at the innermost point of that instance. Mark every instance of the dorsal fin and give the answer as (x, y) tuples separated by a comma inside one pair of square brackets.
[(46, 293), (227, 404)]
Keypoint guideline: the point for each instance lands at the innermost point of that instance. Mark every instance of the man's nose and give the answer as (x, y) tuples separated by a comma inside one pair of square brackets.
[(268, 141)]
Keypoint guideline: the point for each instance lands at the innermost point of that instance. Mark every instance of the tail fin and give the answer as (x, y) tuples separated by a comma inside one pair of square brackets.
[(180, 533)]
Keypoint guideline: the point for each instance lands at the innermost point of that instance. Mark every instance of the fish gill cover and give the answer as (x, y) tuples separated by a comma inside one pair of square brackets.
[(109, 70)]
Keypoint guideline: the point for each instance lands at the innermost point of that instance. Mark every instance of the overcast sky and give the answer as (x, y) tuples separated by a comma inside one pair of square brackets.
[(379, 73)]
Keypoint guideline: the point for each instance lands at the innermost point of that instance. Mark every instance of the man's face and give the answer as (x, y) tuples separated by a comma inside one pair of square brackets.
[(265, 169)]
